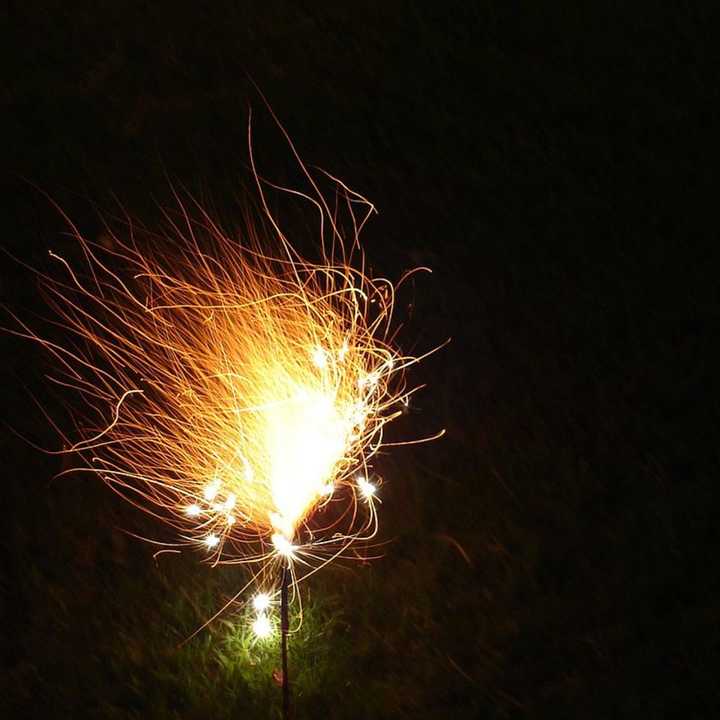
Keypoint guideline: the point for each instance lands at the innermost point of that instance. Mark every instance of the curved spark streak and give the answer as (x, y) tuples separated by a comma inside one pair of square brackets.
[(263, 379)]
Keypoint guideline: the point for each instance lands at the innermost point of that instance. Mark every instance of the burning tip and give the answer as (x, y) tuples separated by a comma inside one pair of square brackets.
[(282, 545), (212, 541)]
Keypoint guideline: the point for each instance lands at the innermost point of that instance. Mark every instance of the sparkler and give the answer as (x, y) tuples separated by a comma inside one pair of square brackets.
[(232, 387)]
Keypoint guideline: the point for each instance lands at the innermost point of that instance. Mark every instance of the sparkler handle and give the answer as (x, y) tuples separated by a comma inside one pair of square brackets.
[(284, 628)]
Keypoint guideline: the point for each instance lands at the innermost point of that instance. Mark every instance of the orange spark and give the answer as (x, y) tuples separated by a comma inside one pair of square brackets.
[(229, 385)]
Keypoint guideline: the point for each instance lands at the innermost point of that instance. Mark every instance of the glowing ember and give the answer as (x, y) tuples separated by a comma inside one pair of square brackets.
[(262, 627), (366, 488), (261, 602)]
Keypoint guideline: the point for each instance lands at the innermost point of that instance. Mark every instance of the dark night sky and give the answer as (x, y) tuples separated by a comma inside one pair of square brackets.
[(553, 166)]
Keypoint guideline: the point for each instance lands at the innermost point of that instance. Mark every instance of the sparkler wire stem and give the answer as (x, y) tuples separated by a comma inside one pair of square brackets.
[(284, 628)]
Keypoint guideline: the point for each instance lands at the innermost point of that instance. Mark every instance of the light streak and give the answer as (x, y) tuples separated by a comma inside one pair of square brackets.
[(230, 386)]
